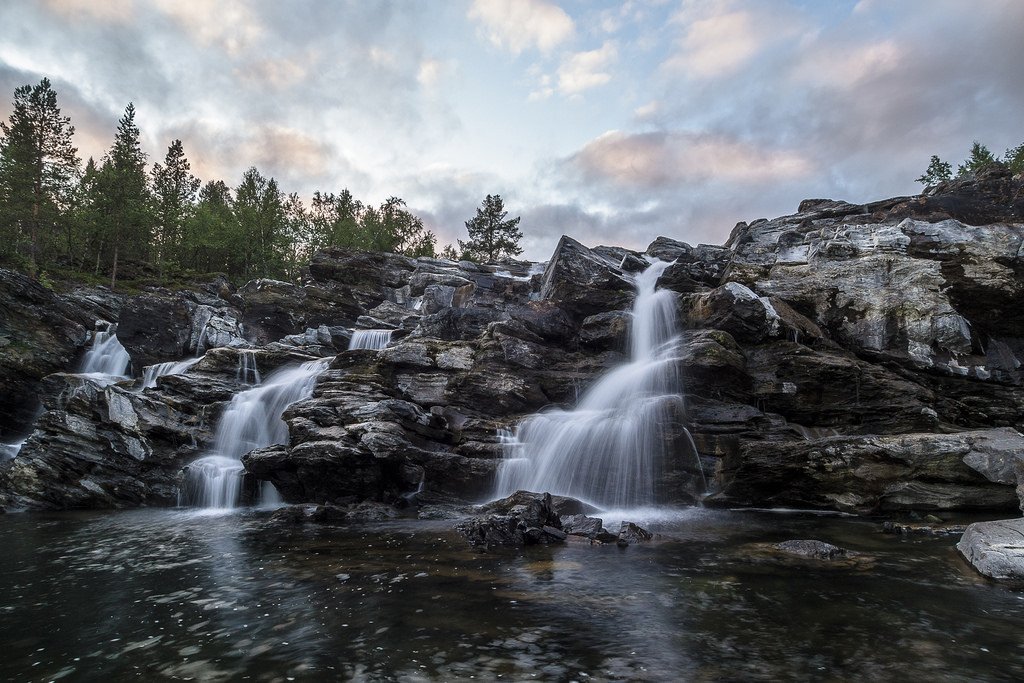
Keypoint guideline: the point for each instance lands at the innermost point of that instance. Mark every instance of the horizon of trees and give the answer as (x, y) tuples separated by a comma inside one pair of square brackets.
[(57, 215), (980, 157)]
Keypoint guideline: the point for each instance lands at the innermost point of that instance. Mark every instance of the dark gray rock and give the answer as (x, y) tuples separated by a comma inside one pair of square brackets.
[(530, 520), (811, 549), (583, 282), (631, 534)]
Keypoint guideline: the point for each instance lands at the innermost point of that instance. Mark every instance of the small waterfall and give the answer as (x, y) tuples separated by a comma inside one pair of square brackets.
[(247, 372), (106, 356), (370, 339), (252, 420), (9, 451), (610, 450), (150, 373)]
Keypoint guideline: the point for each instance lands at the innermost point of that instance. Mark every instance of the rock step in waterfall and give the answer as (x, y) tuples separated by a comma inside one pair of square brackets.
[(252, 420), (106, 357), (373, 340), (612, 449)]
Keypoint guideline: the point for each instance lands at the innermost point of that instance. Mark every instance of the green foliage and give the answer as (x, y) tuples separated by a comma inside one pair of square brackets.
[(491, 236), (979, 158), (114, 219), (1014, 159), (38, 164), (449, 253), (174, 191), (938, 171)]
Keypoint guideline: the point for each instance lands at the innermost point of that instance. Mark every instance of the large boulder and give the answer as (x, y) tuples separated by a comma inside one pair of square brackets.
[(995, 549), (584, 282)]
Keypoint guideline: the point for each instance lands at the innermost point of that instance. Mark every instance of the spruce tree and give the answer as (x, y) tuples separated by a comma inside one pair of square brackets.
[(174, 190), (980, 158), (938, 171), (124, 196), (491, 236), (38, 164)]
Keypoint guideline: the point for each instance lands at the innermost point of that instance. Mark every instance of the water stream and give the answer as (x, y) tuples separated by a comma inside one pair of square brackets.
[(252, 420), (106, 357), (373, 340), (613, 447)]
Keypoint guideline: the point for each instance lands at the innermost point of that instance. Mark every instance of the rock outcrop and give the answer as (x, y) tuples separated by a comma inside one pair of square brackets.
[(863, 358)]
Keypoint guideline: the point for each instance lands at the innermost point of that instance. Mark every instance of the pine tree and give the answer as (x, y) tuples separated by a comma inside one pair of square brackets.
[(491, 236), (38, 164), (209, 242), (174, 190), (938, 171), (335, 220), (980, 158), (124, 196), (1014, 159), (259, 212)]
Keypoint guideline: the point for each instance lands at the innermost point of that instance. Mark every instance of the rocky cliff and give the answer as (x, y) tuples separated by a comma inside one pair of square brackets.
[(863, 358)]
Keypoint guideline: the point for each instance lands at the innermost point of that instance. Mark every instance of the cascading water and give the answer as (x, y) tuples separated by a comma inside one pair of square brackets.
[(373, 340), (106, 356), (252, 420), (247, 371), (612, 449), (150, 373)]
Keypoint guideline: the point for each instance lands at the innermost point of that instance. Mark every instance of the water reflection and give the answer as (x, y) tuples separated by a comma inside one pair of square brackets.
[(178, 594)]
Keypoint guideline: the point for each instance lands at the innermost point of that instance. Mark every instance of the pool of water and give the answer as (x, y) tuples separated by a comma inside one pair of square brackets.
[(179, 595)]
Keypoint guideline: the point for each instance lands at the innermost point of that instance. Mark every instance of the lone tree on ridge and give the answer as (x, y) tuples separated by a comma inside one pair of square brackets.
[(490, 235)]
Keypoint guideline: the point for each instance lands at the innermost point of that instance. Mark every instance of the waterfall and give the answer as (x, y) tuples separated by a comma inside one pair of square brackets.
[(370, 339), (247, 370), (150, 373), (610, 450), (252, 420), (106, 356), (9, 451)]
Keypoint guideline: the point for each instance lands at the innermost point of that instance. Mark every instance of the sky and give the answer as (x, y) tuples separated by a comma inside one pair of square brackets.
[(612, 122)]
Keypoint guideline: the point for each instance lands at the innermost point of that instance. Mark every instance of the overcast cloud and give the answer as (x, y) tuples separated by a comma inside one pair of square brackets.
[(610, 121)]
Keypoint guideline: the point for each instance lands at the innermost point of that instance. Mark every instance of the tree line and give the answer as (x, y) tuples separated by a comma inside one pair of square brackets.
[(980, 157), (58, 215)]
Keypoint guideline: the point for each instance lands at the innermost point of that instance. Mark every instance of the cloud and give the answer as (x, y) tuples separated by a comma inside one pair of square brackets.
[(719, 37), (585, 70), (228, 24), (111, 11), (518, 25), (659, 159)]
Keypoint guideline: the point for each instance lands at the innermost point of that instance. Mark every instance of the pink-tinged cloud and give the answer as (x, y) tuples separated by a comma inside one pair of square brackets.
[(655, 160), (518, 25)]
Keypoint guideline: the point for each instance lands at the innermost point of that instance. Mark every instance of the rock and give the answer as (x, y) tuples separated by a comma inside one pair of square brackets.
[(581, 525), (531, 520), (863, 474), (668, 249), (735, 309), (39, 334), (995, 549), (155, 328), (583, 282), (606, 330), (631, 534), (810, 549), (920, 529)]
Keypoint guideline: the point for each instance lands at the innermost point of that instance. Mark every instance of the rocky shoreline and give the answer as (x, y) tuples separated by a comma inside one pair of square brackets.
[(857, 358)]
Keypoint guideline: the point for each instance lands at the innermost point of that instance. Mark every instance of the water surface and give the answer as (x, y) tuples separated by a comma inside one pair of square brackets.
[(181, 595)]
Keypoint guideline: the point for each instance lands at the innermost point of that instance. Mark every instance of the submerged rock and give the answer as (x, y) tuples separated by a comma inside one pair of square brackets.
[(995, 549)]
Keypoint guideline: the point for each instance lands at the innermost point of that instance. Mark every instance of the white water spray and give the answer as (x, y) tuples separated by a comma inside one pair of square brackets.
[(373, 340), (106, 356), (247, 371), (252, 420), (610, 450), (150, 373)]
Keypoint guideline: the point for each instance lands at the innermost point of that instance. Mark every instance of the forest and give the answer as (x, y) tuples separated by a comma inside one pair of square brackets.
[(113, 219)]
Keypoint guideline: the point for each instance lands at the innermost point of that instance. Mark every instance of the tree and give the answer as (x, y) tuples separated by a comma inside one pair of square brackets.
[(980, 158), (210, 241), (260, 215), (449, 253), (123, 195), (334, 220), (174, 190), (490, 235), (37, 166), (392, 227), (938, 171), (1014, 159)]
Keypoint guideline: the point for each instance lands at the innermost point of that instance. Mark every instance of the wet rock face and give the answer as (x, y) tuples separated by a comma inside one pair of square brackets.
[(39, 334), (530, 520), (583, 282)]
